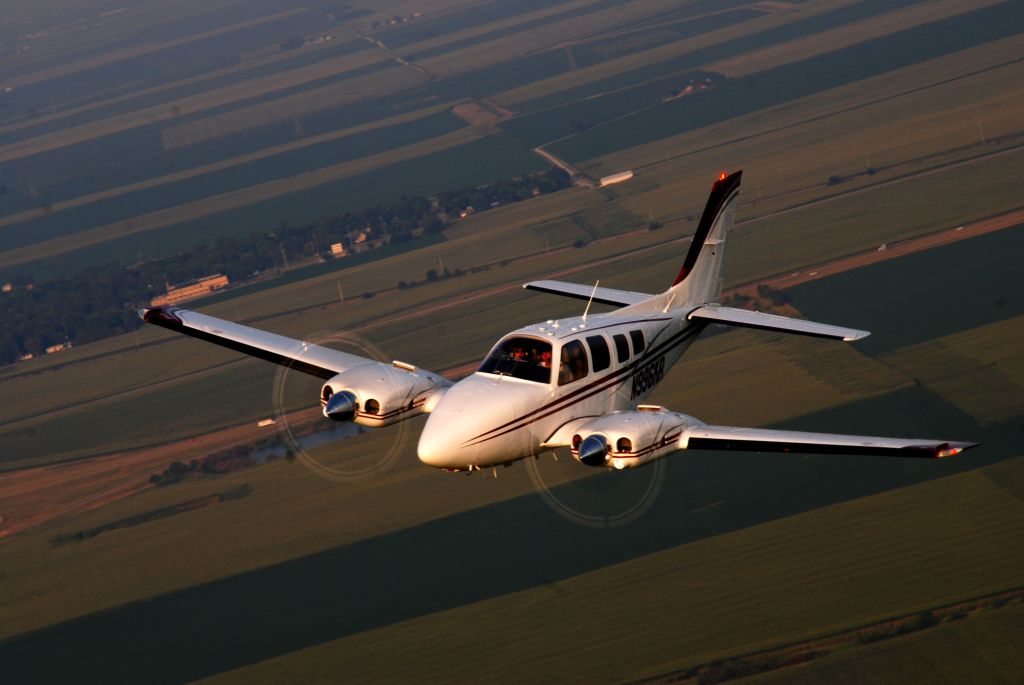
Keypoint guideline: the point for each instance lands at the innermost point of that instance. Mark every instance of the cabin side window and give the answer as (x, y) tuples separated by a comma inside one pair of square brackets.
[(525, 358), (621, 347), (574, 363), (599, 353), (638, 341)]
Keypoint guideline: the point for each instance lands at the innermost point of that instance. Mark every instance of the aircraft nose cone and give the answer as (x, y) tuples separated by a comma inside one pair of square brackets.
[(341, 406), (456, 433), (435, 448)]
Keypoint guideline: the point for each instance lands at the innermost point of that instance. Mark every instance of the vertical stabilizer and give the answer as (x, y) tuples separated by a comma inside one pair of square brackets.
[(700, 278)]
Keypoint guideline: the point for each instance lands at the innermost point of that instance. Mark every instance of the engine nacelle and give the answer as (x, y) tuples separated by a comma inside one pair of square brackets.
[(628, 439), (381, 394)]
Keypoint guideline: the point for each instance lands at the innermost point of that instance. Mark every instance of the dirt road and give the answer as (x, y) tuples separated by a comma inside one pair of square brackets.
[(889, 251)]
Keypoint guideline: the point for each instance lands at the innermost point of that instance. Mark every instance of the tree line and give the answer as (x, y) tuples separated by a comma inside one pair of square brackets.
[(101, 301)]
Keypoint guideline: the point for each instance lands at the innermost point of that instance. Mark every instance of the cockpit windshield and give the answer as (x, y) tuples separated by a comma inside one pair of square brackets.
[(525, 358)]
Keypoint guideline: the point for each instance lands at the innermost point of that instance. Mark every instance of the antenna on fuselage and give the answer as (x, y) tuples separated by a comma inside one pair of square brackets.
[(592, 293)]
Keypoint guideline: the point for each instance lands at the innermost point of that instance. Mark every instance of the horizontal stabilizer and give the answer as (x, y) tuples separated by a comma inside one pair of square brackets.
[(315, 360), (619, 298), (766, 440), (731, 316)]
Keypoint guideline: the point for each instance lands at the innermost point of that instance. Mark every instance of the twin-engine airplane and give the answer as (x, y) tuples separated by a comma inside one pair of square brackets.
[(579, 382)]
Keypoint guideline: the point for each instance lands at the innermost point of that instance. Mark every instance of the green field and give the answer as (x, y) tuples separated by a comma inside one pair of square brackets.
[(699, 601), (696, 599), (627, 53), (858, 123), (966, 651), (199, 382)]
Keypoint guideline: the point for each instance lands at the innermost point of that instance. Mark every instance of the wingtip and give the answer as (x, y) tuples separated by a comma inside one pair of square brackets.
[(951, 449), (856, 335), (160, 315)]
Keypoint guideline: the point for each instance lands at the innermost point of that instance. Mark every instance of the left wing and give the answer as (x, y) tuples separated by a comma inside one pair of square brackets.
[(620, 298), (628, 439), (315, 360)]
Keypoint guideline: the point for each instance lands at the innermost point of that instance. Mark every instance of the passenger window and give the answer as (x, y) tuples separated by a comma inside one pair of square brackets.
[(599, 352), (621, 347), (574, 363), (638, 341)]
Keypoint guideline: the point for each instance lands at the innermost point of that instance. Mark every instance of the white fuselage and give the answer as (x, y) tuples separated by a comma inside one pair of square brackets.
[(492, 418)]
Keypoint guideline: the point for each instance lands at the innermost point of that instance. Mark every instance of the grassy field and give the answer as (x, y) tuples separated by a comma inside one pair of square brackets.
[(899, 19), (199, 169), (648, 62), (722, 585), (891, 124), (407, 573), (910, 310), (980, 370), (813, 74), (790, 579), (966, 651), (107, 208), (463, 157), (292, 100), (752, 256)]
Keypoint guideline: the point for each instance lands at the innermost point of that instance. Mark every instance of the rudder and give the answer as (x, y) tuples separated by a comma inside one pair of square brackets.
[(700, 278)]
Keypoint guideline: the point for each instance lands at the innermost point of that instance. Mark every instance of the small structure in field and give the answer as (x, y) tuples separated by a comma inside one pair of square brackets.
[(617, 178), (190, 290)]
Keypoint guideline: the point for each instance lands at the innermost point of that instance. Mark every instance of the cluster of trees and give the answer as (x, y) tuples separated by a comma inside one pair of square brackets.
[(101, 301), (224, 461), (767, 299)]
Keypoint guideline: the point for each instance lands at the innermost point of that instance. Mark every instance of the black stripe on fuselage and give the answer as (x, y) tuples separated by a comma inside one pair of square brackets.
[(591, 389), (722, 193)]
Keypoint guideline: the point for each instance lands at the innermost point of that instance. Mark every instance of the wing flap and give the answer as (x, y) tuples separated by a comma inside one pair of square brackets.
[(768, 440), (315, 360), (773, 322)]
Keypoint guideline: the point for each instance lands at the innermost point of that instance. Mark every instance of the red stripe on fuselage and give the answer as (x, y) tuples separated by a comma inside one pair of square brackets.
[(576, 396)]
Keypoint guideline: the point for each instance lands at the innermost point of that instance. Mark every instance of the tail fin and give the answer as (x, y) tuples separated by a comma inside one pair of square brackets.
[(700, 278)]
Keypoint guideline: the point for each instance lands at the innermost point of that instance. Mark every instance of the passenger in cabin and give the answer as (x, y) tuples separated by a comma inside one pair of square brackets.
[(574, 362), (525, 358)]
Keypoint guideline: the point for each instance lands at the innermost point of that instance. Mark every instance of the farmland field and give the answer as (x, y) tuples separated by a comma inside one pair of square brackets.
[(52, 181), (881, 144)]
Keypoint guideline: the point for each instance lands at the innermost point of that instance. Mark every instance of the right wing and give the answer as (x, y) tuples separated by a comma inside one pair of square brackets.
[(767, 440), (315, 360)]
